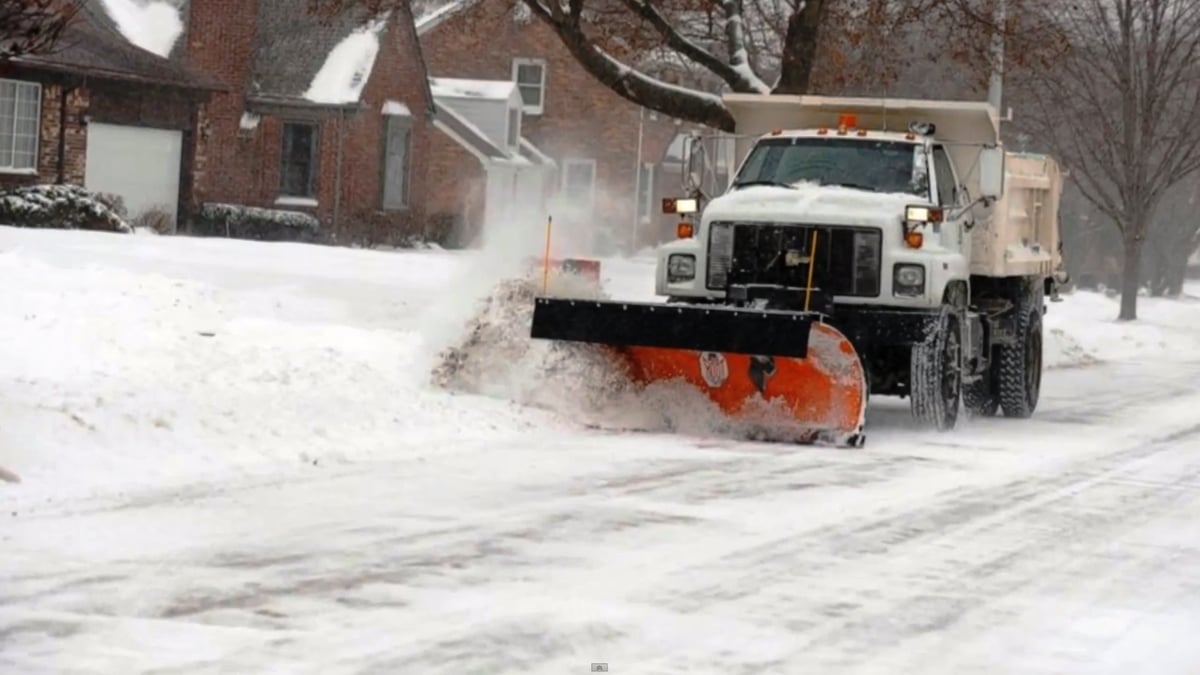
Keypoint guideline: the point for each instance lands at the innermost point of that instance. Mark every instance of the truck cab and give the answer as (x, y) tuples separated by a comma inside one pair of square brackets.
[(893, 206)]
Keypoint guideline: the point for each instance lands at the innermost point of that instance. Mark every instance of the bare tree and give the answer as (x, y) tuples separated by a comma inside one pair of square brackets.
[(1174, 239), (639, 48), (32, 26), (1123, 111)]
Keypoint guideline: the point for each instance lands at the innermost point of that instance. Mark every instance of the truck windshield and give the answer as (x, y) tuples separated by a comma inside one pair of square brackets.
[(873, 165)]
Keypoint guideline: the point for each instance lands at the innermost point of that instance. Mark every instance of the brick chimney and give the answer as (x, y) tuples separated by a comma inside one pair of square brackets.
[(221, 43)]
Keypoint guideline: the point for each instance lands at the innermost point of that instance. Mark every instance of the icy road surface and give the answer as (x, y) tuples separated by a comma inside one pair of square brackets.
[(229, 465)]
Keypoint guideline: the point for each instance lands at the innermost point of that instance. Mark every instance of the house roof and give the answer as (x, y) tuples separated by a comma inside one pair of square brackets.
[(475, 141), (305, 59), (93, 45), (467, 134)]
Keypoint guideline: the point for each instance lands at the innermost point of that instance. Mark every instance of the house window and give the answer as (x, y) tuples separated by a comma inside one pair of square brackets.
[(530, 76), (298, 166), (397, 162), (514, 127), (20, 113), (579, 181), (646, 193)]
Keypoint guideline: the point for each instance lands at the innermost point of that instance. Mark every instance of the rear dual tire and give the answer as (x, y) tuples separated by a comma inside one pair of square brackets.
[(1014, 378), (1020, 364)]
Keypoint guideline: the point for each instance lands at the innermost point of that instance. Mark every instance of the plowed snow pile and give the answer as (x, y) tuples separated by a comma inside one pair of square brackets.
[(496, 357)]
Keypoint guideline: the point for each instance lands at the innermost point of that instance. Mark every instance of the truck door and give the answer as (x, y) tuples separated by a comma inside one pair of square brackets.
[(950, 198)]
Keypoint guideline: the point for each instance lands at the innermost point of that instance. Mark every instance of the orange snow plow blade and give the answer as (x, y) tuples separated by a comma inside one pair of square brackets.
[(785, 374)]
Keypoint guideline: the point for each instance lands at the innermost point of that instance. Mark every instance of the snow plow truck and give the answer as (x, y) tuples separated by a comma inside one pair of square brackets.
[(862, 247)]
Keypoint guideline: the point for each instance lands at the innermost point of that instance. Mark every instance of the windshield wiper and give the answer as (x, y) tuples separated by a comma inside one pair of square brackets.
[(857, 186), (775, 183)]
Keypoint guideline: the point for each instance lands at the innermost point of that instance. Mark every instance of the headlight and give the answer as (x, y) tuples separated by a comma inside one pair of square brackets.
[(909, 280), (681, 267)]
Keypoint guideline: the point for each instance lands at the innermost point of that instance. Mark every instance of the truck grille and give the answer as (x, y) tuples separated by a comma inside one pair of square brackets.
[(847, 258)]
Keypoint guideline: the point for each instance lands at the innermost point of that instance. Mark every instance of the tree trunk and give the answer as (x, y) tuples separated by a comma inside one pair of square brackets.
[(1132, 276), (1156, 276), (800, 48)]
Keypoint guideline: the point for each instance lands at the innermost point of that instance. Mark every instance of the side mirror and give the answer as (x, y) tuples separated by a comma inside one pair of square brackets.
[(991, 173)]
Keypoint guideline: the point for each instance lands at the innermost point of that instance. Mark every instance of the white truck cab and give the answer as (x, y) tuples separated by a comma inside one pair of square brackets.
[(867, 182)]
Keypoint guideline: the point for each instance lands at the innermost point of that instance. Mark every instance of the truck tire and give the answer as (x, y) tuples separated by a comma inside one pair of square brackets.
[(1020, 364), (981, 398), (935, 375)]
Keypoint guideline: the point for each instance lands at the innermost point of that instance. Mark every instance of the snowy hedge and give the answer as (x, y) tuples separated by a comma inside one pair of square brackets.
[(68, 207), (249, 222)]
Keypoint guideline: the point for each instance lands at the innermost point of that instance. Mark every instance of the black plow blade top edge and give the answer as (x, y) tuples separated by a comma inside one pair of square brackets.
[(641, 324)]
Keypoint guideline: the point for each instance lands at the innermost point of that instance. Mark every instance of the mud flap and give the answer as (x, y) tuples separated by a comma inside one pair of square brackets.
[(781, 375)]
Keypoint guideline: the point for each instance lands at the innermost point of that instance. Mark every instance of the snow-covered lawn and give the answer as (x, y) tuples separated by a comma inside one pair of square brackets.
[(232, 459)]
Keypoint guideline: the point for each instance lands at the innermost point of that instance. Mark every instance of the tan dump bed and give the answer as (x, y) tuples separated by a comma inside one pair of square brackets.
[(1022, 237)]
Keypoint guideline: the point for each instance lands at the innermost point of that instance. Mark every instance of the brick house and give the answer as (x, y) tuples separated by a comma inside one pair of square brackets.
[(607, 152), (327, 117), (101, 112)]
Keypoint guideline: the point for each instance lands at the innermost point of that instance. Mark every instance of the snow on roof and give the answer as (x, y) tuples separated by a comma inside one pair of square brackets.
[(397, 108), (434, 14), (348, 66), (153, 25), (447, 87)]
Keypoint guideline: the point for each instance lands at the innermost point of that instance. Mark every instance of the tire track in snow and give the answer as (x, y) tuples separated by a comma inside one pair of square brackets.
[(930, 568)]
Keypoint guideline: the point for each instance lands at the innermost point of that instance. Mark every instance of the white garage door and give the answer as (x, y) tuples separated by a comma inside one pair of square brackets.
[(139, 164)]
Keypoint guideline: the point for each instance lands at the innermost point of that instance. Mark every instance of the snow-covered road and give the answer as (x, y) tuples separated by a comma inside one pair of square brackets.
[(430, 533)]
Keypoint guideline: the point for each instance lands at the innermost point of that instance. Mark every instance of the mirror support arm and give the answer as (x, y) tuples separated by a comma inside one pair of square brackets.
[(984, 200)]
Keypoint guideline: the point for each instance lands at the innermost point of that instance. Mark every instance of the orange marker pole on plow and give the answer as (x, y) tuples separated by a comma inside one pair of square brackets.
[(546, 257), (812, 263)]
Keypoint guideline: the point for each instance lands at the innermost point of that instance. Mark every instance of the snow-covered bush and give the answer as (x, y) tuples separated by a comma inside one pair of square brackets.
[(159, 221), (250, 222), (68, 207)]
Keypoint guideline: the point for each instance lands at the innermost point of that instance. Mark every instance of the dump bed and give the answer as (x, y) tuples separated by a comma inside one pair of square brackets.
[(1019, 235)]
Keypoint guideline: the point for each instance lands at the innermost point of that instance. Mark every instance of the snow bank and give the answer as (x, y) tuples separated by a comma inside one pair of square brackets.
[(345, 72), (1083, 329), (153, 25), (150, 363)]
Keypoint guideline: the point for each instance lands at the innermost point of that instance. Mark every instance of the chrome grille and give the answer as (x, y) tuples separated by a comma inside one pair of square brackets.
[(720, 254), (848, 261)]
